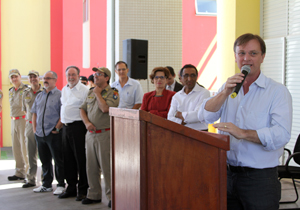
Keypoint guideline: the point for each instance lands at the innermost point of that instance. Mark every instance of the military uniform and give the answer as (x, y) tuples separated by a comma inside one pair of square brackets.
[(18, 129), (98, 143), (28, 99)]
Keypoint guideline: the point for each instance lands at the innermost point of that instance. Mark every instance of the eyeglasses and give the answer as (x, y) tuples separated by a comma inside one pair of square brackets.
[(99, 74), (71, 75), (159, 77), (251, 53), (124, 69), (193, 76), (48, 78)]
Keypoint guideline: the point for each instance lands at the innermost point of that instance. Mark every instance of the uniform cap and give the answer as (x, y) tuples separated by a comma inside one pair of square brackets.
[(104, 70), (14, 72), (34, 72)]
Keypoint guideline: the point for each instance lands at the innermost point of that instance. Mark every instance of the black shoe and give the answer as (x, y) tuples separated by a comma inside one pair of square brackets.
[(28, 185), (66, 195), (80, 197), (109, 204), (14, 178), (89, 201)]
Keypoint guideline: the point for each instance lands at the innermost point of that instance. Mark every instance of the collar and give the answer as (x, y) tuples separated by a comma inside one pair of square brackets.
[(77, 86), (129, 82), (260, 81), (51, 91), (196, 88)]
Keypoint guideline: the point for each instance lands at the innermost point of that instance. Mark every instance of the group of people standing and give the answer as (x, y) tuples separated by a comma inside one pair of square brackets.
[(72, 126)]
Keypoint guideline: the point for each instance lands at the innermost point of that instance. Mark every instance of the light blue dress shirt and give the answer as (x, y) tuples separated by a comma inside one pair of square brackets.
[(266, 108), (130, 94), (47, 108)]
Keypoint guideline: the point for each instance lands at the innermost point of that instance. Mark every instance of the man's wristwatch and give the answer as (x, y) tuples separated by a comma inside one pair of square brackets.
[(55, 129)]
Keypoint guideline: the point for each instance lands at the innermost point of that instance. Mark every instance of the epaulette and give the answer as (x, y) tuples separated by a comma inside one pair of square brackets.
[(92, 88), (27, 89), (115, 89)]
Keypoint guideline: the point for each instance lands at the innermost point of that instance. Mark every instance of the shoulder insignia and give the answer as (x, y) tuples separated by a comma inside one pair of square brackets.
[(116, 94)]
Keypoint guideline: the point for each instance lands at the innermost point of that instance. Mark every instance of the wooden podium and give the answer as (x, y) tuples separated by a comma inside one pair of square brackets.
[(161, 165)]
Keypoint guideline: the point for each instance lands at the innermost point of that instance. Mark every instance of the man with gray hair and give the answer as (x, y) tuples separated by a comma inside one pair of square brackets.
[(73, 135), (47, 128)]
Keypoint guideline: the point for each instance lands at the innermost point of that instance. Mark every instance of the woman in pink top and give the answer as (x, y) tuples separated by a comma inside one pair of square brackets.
[(158, 101)]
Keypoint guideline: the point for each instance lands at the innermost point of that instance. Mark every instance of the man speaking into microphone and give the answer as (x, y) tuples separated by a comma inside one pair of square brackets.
[(258, 121)]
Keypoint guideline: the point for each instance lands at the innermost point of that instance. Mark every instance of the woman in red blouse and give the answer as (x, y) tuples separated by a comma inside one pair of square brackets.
[(158, 101)]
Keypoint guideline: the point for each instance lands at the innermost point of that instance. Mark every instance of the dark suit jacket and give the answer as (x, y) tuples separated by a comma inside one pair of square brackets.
[(178, 86)]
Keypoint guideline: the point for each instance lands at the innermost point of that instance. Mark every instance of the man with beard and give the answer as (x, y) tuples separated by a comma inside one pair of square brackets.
[(46, 126), (72, 97), (28, 99)]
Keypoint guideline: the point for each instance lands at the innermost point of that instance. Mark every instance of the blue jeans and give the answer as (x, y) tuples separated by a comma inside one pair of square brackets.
[(48, 147), (257, 189)]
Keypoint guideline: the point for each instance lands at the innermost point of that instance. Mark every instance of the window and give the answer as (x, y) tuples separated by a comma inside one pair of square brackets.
[(85, 10), (206, 7)]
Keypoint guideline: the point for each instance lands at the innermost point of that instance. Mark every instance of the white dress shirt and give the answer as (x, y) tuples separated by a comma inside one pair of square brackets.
[(189, 105), (130, 94), (171, 87), (267, 109), (71, 100)]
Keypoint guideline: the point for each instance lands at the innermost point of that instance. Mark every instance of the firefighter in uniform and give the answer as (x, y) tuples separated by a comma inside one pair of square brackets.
[(17, 125), (28, 98), (94, 113)]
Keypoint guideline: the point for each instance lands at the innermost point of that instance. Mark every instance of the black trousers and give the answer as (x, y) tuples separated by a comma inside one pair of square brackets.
[(253, 189), (74, 157), (50, 147)]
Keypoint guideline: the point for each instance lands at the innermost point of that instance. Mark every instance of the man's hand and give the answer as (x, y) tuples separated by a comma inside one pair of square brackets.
[(238, 133), (230, 128), (97, 90), (90, 127), (232, 81), (179, 115)]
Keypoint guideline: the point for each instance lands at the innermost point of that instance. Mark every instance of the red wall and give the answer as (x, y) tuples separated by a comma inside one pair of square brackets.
[(72, 35), (66, 36), (197, 34), (56, 34)]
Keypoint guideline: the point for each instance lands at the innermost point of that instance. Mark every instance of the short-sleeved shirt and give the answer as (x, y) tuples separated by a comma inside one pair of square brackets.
[(71, 100), (15, 101), (130, 94), (27, 101), (99, 119), (47, 108)]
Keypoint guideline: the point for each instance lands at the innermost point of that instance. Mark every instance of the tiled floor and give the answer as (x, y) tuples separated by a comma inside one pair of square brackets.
[(14, 197)]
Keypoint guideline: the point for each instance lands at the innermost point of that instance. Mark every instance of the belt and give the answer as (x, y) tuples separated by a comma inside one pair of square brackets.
[(16, 118), (239, 169), (100, 131), (68, 124)]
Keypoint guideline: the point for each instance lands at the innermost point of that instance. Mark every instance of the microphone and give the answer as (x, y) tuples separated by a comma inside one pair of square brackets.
[(245, 70)]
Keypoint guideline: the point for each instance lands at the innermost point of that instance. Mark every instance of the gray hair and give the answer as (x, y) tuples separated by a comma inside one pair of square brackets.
[(53, 74)]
